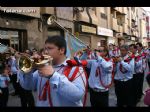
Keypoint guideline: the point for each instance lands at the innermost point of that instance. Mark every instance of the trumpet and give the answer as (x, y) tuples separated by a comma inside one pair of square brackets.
[(115, 59), (26, 63)]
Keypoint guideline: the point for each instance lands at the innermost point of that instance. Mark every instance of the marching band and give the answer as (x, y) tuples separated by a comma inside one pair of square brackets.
[(66, 81)]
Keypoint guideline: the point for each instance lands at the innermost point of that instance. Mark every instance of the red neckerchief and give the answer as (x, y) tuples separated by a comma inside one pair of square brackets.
[(114, 52), (89, 55), (137, 57), (107, 59), (98, 72), (45, 90), (123, 70)]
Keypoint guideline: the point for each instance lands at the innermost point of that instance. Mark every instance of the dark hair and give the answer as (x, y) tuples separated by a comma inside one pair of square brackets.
[(34, 49), (59, 41), (41, 50), (2, 68), (125, 47), (140, 44), (133, 45)]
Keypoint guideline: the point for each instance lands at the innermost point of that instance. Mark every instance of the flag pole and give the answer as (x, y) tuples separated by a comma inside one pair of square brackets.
[(52, 19)]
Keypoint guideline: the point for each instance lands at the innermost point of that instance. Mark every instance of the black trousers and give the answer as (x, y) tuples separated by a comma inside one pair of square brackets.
[(13, 79), (124, 93), (138, 86), (99, 99), (149, 65), (4, 97), (26, 97)]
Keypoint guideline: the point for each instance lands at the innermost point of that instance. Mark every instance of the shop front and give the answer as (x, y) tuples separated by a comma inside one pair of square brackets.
[(86, 33), (105, 36), (13, 38)]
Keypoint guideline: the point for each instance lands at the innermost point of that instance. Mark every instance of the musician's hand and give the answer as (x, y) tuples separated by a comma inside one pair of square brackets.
[(119, 59), (46, 70), (130, 54), (36, 56)]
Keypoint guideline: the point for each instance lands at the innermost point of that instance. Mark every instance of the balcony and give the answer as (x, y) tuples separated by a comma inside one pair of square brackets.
[(94, 17), (120, 9), (47, 10), (125, 11), (82, 16), (114, 25), (114, 8), (125, 28)]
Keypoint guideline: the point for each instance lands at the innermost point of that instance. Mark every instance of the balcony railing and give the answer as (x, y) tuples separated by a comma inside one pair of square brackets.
[(114, 24), (125, 10)]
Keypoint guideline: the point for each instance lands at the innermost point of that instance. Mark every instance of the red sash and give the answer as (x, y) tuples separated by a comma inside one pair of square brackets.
[(45, 90), (66, 72), (123, 70), (98, 72)]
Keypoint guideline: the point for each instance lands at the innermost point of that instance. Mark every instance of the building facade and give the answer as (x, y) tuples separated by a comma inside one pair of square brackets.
[(19, 27), (27, 27), (142, 26)]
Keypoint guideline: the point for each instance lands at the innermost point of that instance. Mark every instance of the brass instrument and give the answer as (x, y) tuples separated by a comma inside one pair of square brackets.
[(26, 63), (115, 59)]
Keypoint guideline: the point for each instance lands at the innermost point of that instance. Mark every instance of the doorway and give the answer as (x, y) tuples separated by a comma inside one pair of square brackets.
[(14, 38)]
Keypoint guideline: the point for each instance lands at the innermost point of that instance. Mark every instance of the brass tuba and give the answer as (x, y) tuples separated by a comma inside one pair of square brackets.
[(26, 63)]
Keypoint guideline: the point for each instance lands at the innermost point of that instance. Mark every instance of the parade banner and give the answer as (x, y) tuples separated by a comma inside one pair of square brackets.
[(73, 45)]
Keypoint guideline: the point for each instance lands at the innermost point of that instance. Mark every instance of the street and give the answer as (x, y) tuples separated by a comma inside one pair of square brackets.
[(14, 101)]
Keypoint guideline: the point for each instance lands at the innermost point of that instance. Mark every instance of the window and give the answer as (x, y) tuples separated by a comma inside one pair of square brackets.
[(104, 16), (103, 12)]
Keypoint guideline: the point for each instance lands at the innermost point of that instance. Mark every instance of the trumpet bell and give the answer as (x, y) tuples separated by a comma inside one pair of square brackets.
[(25, 64), (51, 19)]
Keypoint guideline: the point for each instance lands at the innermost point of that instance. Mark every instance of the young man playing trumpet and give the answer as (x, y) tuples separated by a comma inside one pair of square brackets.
[(52, 85), (123, 78), (100, 77)]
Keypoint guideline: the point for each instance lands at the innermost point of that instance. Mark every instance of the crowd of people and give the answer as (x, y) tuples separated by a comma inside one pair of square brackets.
[(67, 81)]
